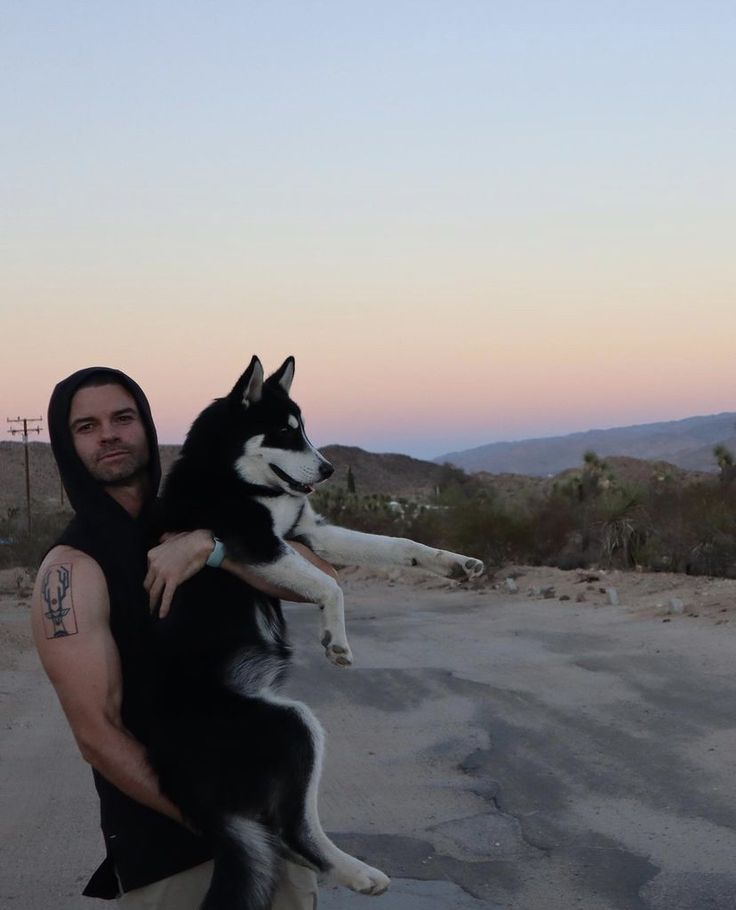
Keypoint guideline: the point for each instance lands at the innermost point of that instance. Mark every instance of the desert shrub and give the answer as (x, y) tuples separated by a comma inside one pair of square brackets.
[(481, 529), (702, 537), (372, 514), (589, 517), (555, 538), (467, 516)]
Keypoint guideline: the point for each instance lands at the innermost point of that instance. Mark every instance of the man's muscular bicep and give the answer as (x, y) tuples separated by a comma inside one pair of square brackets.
[(70, 620), (83, 663), (69, 600)]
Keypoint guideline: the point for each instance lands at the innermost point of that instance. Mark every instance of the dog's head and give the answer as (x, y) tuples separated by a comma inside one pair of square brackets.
[(274, 451)]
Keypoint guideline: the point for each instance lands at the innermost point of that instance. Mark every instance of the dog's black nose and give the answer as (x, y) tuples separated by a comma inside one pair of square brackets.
[(326, 470)]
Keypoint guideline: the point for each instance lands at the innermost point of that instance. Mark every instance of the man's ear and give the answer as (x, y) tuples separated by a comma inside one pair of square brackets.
[(284, 376), (249, 388)]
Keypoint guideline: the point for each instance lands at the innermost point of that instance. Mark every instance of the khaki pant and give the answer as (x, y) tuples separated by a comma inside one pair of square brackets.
[(297, 890)]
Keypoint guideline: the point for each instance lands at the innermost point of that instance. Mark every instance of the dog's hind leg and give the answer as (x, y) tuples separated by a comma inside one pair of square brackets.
[(341, 867), (301, 828), (245, 868)]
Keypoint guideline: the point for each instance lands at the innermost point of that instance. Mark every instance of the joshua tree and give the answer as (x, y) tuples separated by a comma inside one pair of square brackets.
[(594, 470), (724, 459), (351, 480)]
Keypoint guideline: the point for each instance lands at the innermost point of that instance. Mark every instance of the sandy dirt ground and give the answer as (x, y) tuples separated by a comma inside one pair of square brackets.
[(556, 746)]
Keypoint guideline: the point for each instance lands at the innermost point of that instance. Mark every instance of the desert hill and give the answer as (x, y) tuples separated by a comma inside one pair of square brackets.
[(685, 443), (385, 474)]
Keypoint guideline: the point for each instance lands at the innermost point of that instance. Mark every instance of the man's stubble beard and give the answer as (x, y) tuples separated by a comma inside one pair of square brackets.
[(124, 480), (122, 475)]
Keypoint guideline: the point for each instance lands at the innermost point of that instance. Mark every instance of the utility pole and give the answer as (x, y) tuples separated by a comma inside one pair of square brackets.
[(25, 431)]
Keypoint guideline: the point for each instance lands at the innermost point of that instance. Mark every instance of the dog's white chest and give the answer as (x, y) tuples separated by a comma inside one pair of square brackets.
[(285, 512)]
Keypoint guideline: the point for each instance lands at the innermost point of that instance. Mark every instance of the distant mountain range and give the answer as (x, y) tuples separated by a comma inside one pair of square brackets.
[(686, 443)]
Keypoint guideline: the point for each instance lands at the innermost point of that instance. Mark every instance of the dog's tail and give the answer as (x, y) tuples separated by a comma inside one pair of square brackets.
[(245, 869)]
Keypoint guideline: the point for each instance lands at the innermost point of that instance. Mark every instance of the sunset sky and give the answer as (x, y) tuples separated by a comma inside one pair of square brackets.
[(468, 221)]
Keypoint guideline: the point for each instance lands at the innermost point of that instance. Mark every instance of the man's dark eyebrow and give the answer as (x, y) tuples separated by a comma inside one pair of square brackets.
[(119, 413)]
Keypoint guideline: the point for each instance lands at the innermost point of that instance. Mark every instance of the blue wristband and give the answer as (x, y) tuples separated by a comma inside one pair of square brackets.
[(214, 560)]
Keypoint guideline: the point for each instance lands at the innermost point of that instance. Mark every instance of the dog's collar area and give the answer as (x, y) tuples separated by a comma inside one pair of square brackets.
[(294, 484)]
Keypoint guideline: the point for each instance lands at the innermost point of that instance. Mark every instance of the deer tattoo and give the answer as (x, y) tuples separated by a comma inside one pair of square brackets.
[(55, 589)]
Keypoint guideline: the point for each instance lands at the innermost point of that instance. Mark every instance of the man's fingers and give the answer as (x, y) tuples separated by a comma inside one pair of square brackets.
[(173, 561), (166, 599), (154, 592)]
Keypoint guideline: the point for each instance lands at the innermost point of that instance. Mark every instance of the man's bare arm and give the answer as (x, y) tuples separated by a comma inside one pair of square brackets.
[(71, 627), (251, 574), (182, 555)]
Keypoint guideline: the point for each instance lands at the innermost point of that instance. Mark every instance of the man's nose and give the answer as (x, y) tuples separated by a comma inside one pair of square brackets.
[(109, 433)]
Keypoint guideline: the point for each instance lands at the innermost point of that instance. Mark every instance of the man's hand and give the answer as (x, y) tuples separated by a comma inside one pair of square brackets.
[(172, 562)]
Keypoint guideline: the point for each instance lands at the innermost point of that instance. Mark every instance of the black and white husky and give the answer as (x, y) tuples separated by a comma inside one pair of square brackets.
[(242, 761)]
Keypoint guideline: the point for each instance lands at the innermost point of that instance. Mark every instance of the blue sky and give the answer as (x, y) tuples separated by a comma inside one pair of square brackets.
[(468, 221)]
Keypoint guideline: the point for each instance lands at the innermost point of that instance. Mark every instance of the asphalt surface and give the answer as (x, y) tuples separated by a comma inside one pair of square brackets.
[(488, 752)]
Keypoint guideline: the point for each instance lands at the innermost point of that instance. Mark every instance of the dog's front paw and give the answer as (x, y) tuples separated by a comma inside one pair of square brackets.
[(467, 567), (451, 565), (336, 651), (361, 877)]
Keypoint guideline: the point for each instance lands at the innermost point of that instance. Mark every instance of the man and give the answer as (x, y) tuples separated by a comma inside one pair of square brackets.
[(91, 621)]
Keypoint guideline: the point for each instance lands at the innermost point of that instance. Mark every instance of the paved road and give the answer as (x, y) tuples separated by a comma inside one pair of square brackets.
[(489, 753)]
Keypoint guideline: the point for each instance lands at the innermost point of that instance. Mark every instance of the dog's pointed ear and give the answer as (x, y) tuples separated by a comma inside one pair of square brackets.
[(284, 376), (249, 388)]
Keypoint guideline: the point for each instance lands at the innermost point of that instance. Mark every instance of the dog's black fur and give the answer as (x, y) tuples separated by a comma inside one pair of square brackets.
[(225, 752)]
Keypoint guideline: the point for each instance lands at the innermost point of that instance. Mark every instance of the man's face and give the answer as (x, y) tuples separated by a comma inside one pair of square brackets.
[(108, 434)]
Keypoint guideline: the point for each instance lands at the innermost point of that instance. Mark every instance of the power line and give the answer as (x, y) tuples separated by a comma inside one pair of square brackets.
[(25, 431)]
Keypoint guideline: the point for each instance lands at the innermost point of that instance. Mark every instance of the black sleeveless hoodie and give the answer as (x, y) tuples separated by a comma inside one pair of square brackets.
[(143, 846)]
